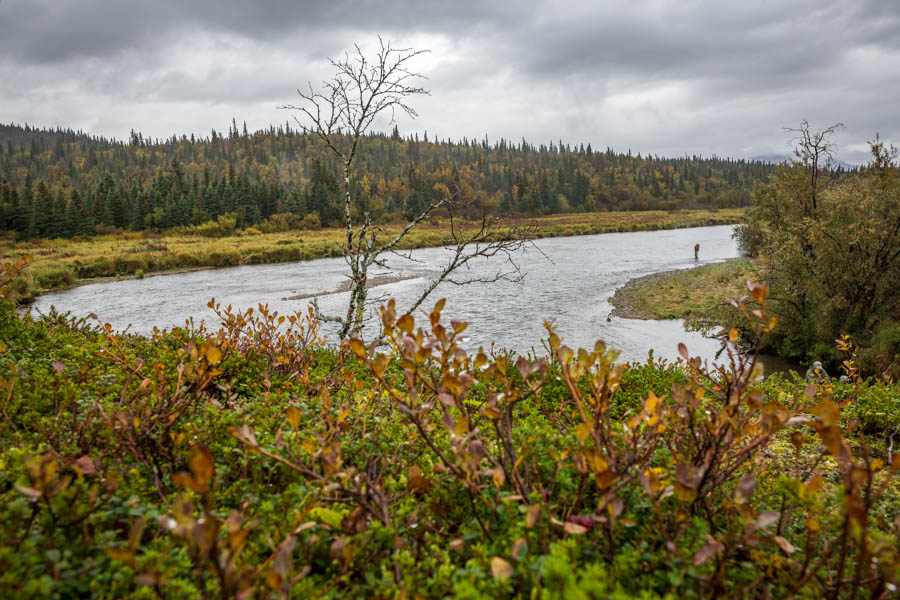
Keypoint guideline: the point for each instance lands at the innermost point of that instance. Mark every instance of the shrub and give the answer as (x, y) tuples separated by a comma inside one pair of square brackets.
[(311, 221), (253, 460), (55, 277)]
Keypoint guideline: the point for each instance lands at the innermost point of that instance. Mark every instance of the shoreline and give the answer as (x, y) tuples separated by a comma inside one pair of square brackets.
[(679, 293), (241, 251), (623, 303)]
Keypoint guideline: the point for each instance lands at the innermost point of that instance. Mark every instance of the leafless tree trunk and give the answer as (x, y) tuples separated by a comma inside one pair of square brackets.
[(339, 113)]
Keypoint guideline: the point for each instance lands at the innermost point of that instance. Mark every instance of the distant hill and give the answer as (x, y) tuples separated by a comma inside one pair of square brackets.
[(25, 135), (59, 182)]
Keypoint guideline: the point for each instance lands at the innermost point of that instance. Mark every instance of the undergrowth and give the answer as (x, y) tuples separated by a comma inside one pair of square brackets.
[(255, 461)]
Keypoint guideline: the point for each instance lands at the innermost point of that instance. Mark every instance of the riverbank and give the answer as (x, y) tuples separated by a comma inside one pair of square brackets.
[(681, 293), (61, 264)]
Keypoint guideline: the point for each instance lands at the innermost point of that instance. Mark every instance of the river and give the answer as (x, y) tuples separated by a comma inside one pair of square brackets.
[(569, 281)]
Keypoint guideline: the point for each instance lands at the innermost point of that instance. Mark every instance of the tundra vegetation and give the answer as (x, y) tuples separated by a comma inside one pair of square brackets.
[(254, 461)]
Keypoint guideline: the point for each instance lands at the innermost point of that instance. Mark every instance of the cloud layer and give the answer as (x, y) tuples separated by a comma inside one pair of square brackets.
[(665, 78)]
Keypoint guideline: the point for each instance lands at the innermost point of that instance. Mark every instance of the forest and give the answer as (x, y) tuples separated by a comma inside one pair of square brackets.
[(59, 183)]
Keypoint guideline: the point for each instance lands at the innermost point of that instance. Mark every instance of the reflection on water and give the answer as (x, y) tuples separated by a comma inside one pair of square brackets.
[(570, 286)]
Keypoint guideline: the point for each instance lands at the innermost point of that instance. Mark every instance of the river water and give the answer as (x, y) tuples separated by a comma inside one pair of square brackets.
[(570, 281)]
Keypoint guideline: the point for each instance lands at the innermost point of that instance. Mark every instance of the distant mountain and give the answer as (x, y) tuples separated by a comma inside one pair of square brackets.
[(775, 159), (772, 158)]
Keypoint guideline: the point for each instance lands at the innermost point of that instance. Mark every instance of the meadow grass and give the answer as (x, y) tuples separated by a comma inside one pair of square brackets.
[(680, 294)]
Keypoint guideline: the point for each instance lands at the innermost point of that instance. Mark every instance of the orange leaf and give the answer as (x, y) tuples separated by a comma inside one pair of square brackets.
[(202, 466)]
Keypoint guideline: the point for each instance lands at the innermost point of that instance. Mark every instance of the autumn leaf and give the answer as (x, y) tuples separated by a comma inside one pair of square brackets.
[(417, 483), (707, 552), (532, 516), (358, 347), (500, 568), (406, 323), (574, 528), (758, 290), (784, 544), (213, 355), (293, 416), (767, 518), (202, 467)]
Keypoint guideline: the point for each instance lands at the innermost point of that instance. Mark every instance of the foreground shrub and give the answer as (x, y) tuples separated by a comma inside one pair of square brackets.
[(255, 461)]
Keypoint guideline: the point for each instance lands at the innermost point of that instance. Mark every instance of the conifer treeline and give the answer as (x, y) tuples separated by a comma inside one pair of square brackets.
[(61, 183)]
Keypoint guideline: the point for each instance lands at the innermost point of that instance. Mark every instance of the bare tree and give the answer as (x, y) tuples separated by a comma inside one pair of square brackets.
[(339, 113), (814, 149)]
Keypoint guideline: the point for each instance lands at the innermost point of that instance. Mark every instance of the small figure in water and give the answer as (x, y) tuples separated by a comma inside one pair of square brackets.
[(817, 374), (696, 251)]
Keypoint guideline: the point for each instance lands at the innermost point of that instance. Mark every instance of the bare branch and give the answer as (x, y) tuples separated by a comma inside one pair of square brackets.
[(338, 113)]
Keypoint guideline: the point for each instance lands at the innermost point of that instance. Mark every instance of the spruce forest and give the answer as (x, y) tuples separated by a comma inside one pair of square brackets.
[(57, 183)]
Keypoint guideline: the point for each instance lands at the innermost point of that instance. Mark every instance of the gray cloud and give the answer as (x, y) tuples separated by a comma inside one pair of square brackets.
[(661, 77)]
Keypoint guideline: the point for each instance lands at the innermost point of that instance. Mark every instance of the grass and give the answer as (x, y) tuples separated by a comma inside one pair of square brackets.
[(62, 263), (680, 294)]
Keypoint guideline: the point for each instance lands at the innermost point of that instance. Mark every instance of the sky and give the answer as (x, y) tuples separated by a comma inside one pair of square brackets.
[(657, 77)]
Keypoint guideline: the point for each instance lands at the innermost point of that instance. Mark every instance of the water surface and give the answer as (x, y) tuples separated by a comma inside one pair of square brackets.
[(569, 281)]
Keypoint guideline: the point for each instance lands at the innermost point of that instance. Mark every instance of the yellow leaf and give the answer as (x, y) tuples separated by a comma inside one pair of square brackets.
[(733, 334), (500, 568), (532, 516), (358, 347), (597, 463), (582, 431), (293, 416), (213, 355), (202, 466)]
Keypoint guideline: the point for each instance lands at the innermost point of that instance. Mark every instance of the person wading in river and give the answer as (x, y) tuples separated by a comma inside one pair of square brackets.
[(696, 251)]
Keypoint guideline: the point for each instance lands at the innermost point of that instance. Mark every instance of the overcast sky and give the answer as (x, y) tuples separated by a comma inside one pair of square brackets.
[(661, 77)]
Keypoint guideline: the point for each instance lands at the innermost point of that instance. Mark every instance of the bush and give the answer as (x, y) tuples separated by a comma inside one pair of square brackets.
[(221, 227), (253, 460), (311, 222), (55, 277), (882, 356)]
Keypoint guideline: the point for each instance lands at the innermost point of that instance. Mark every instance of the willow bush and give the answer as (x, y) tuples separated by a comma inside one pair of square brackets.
[(255, 461)]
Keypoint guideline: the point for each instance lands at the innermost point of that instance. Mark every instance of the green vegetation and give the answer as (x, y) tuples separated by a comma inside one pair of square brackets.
[(64, 184), (830, 250), (253, 461), (61, 263), (685, 293)]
